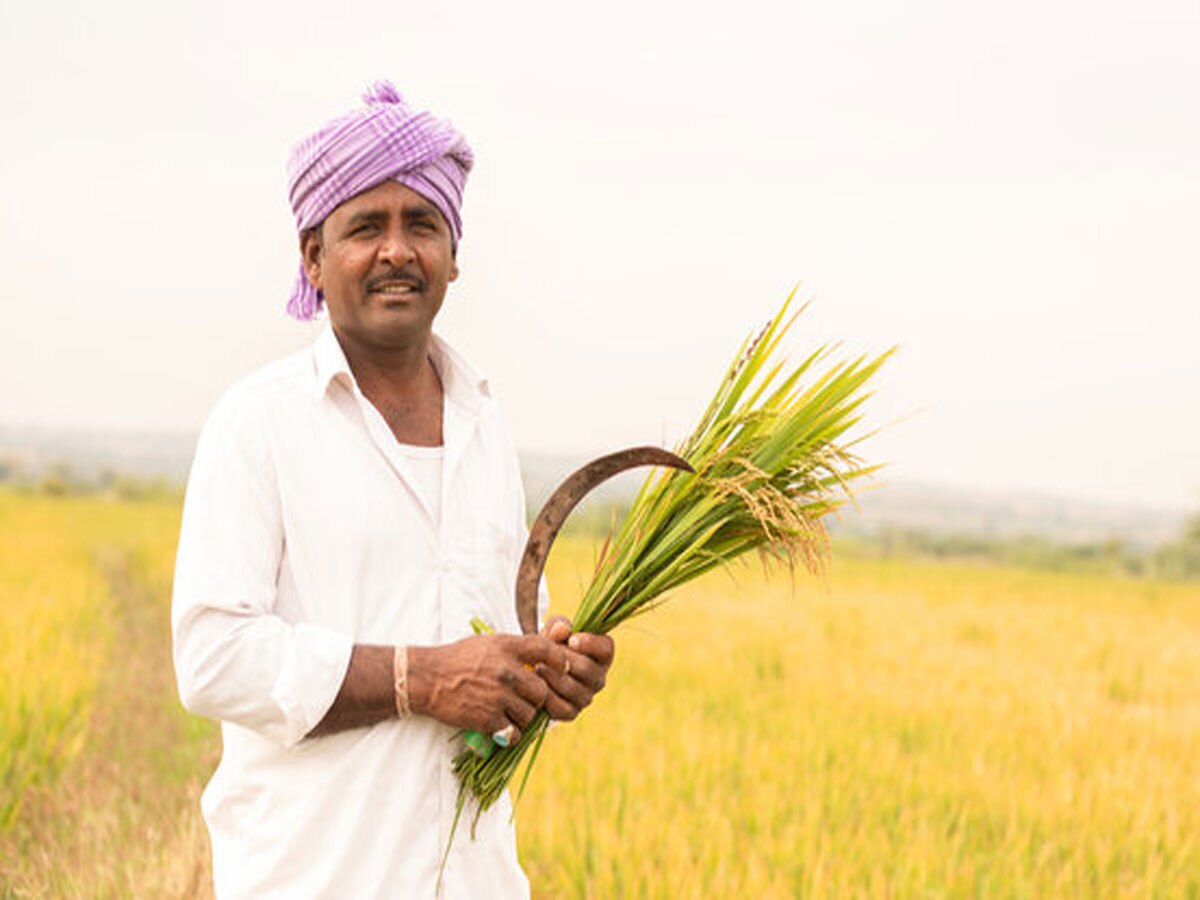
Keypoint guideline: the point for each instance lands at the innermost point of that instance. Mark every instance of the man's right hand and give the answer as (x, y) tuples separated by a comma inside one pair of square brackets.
[(484, 682)]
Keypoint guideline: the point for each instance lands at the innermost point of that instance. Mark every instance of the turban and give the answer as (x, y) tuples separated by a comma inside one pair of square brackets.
[(387, 140)]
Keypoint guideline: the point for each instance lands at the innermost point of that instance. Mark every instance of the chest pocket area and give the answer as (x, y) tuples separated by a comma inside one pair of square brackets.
[(483, 566)]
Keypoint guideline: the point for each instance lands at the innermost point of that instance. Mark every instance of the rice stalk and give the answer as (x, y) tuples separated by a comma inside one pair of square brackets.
[(771, 459)]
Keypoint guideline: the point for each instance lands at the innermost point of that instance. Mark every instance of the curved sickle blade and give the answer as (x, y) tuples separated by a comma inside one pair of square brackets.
[(554, 513)]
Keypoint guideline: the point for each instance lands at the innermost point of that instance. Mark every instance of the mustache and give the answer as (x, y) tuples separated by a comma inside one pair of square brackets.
[(397, 277)]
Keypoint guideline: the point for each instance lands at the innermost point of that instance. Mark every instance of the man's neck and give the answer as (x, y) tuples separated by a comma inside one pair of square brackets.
[(401, 383)]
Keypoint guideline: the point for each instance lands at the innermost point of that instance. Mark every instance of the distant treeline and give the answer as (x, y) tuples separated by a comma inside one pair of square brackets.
[(1178, 558), (60, 479), (1175, 559)]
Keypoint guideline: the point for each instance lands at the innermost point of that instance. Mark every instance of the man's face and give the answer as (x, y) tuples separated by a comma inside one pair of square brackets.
[(384, 260)]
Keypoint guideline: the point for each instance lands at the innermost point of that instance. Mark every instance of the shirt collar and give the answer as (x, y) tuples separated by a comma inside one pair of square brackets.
[(461, 382), (329, 360)]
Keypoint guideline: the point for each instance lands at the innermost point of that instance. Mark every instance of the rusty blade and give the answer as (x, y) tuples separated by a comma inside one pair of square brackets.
[(555, 511)]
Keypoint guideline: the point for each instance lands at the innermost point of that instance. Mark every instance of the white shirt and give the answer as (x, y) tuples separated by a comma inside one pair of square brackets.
[(304, 531), (425, 463)]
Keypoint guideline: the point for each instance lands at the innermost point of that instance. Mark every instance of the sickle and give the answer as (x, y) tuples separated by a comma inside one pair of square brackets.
[(558, 507)]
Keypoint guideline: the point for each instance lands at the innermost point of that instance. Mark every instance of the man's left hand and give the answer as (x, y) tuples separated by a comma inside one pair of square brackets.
[(589, 655)]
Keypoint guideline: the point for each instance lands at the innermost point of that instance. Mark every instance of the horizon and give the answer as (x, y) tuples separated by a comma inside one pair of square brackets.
[(540, 466)]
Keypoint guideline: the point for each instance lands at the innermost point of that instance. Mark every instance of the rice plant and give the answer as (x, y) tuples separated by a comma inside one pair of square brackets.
[(772, 457)]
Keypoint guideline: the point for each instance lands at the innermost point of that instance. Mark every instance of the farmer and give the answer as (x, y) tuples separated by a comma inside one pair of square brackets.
[(350, 509)]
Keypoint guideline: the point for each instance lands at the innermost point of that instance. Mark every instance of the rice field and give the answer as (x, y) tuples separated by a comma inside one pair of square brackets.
[(903, 729), (52, 637), (101, 767)]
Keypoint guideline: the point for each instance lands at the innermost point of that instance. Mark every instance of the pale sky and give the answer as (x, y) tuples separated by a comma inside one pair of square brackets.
[(1009, 191)]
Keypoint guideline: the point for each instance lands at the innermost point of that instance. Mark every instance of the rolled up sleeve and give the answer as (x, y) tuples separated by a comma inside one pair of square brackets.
[(236, 660)]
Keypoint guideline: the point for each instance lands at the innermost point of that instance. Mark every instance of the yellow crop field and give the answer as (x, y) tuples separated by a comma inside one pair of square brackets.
[(52, 638), (100, 766), (901, 729)]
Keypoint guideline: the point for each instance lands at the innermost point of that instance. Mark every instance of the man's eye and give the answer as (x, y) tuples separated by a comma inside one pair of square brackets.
[(365, 228)]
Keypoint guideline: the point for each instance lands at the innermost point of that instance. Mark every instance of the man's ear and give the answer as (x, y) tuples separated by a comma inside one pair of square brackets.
[(453, 264), (311, 254)]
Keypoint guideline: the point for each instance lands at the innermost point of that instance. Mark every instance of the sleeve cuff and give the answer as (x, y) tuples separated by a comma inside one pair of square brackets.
[(312, 673)]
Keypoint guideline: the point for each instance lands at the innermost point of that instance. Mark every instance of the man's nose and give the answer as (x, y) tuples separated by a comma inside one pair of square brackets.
[(395, 248)]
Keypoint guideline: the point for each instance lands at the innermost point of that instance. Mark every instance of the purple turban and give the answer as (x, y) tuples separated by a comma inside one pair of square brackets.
[(362, 149)]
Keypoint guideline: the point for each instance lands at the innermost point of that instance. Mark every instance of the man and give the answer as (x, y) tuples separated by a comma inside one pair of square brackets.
[(350, 509)]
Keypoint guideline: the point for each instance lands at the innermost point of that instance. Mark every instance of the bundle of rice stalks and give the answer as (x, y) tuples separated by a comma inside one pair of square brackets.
[(771, 460)]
